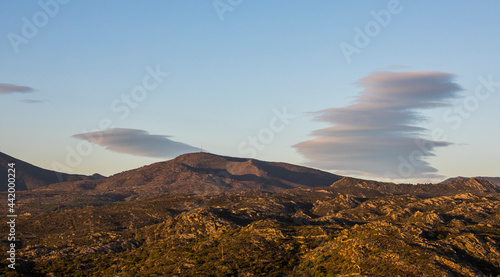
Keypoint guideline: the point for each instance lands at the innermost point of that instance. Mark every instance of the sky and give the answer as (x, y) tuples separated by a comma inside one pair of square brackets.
[(404, 91)]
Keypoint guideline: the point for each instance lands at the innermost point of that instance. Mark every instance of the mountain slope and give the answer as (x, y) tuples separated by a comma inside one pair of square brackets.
[(470, 185), (365, 188), (266, 234), (203, 173), (30, 177), (494, 180)]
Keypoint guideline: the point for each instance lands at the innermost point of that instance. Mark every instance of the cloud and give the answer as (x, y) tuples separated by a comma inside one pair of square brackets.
[(31, 101), (137, 142), (379, 134), (8, 88)]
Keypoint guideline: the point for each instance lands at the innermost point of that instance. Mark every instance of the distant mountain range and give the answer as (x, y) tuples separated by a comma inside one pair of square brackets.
[(210, 174), (365, 188), (205, 173), (494, 180)]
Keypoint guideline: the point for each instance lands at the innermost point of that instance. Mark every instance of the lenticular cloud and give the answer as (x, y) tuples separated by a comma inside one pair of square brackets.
[(379, 134), (137, 142)]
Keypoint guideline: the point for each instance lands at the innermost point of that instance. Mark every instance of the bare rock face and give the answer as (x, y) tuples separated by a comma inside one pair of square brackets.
[(245, 168)]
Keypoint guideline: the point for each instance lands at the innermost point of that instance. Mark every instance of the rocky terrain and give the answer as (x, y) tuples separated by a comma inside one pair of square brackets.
[(284, 227), (494, 180), (196, 173)]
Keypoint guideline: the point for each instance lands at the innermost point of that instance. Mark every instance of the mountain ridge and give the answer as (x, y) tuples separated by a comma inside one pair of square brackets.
[(210, 174), (205, 173), (367, 188), (494, 180)]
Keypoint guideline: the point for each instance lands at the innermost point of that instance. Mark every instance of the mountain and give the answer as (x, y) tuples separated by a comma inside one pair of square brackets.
[(474, 185), (202, 173), (202, 214), (209, 174), (366, 188), (30, 177), (494, 180)]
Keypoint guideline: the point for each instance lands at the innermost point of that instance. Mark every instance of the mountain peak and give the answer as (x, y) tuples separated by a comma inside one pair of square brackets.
[(204, 173), (198, 159), (474, 183)]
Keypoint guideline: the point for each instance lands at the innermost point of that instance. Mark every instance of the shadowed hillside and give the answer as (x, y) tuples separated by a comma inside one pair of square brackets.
[(31, 177), (196, 173)]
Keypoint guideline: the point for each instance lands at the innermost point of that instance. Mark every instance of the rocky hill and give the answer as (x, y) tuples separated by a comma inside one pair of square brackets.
[(494, 180), (195, 173), (366, 188), (295, 232), (208, 173)]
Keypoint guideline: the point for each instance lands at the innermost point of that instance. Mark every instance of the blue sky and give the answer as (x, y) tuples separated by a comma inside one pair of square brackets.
[(230, 70)]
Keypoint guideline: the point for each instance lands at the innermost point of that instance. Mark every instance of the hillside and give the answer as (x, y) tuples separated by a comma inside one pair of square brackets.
[(207, 215), (494, 180), (294, 232), (195, 173), (208, 173), (366, 188), (30, 177)]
